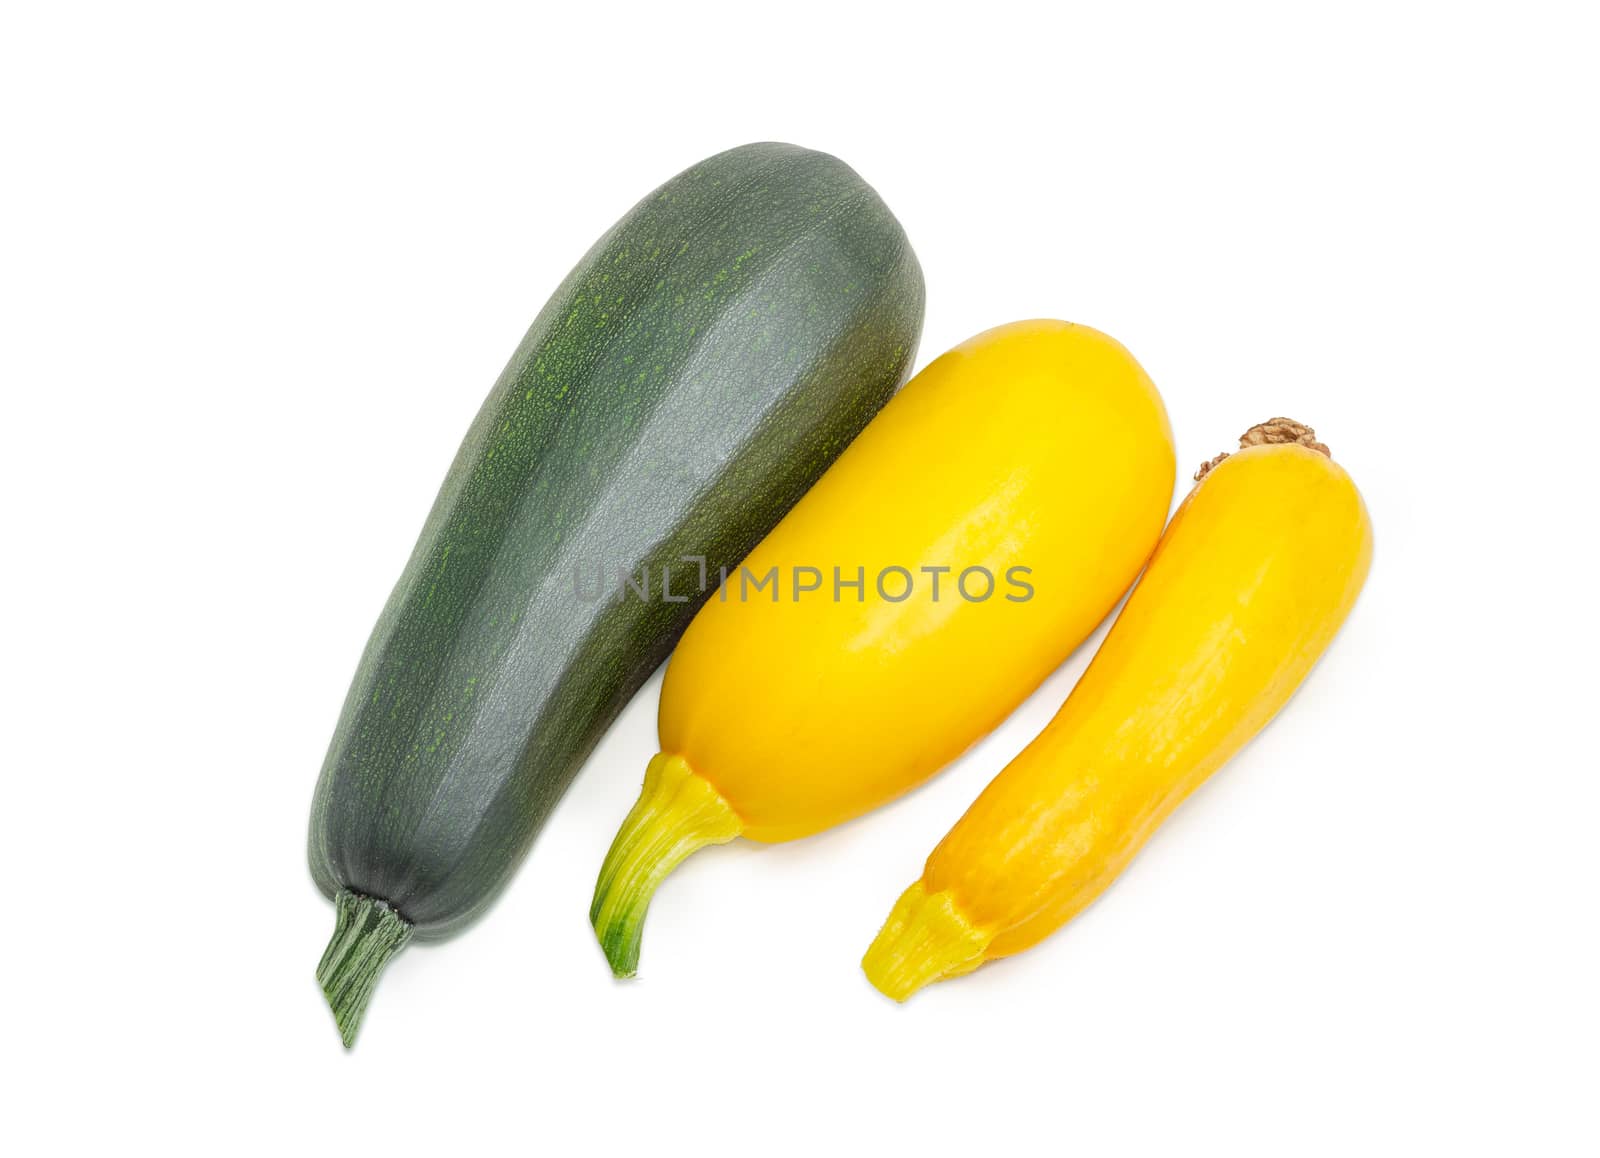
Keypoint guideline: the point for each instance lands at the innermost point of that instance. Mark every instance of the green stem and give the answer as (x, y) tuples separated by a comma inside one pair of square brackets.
[(677, 813), (366, 933)]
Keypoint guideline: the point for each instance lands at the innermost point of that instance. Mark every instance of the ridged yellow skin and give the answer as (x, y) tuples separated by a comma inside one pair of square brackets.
[(1038, 444), (1251, 581), (1041, 445)]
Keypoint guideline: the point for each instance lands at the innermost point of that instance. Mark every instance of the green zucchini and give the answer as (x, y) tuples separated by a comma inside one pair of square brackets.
[(689, 380)]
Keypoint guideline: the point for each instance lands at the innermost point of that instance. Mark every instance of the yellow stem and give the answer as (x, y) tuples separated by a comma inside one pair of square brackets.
[(927, 938)]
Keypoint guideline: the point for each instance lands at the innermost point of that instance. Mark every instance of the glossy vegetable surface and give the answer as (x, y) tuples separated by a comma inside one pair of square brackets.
[(691, 378), (1037, 454), (1252, 580)]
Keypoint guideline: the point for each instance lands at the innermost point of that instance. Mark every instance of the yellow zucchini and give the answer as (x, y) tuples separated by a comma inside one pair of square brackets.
[(1260, 567), (1037, 454)]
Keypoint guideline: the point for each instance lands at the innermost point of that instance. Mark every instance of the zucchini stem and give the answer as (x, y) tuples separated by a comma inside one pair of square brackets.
[(1271, 433), (678, 813), (927, 938), (366, 933)]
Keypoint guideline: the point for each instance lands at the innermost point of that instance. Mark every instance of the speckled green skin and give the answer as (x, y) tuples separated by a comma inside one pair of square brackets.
[(690, 379)]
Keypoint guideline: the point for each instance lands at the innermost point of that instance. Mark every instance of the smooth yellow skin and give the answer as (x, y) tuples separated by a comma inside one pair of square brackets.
[(1252, 580), (1039, 444)]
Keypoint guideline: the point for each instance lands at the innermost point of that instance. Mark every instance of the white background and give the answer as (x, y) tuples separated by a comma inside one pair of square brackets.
[(258, 270)]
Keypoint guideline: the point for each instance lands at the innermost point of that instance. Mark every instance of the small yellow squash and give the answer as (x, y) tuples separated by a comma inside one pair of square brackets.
[(952, 557), (1260, 567)]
